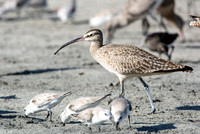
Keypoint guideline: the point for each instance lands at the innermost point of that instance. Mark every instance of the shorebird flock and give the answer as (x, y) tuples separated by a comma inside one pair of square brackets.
[(124, 60)]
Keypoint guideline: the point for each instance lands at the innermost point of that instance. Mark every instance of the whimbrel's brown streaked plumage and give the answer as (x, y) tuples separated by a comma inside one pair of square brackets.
[(127, 61), (196, 22)]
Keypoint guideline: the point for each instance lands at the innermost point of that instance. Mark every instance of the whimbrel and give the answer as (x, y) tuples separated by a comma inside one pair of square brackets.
[(196, 22), (79, 105), (161, 42), (93, 116), (44, 102), (127, 61), (66, 13), (120, 109)]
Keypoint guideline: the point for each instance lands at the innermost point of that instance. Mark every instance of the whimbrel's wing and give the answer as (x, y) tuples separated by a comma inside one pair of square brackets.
[(128, 59)]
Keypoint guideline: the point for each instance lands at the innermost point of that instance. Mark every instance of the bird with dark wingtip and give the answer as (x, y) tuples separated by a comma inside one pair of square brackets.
[(127, 61)]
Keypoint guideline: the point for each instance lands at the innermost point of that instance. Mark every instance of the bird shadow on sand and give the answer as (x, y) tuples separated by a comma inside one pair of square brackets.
[(157, 128), (11, 19), (2, 116), (74, 122), (38, 71), (8, 97), (188, 61), (193, 46), (196, 108)]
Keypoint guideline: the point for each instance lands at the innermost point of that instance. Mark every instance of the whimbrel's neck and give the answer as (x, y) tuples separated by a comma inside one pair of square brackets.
[(95, 45)]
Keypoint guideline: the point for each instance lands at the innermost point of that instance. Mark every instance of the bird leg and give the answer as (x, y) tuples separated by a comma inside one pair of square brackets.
[(49, 114), (145, 26), (146, 87), (170, 54), (90, 129), (162, 24), (151, 13), (122, 88), (117, 126), (99, 128), (129, 121)]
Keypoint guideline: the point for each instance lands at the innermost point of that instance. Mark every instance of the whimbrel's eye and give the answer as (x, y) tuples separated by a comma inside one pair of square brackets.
[(91, 35)]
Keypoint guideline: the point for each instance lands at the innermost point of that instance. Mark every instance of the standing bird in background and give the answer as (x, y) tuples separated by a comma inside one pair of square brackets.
[(120, 108), (196, 22), (136, 9), (127, 61), (167, 11), (161, 43), (100, 18), (131, 11), (66, 13), (16, 5)]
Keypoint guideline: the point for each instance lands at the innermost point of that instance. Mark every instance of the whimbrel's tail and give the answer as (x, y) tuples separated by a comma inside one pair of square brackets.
[(181, 68)]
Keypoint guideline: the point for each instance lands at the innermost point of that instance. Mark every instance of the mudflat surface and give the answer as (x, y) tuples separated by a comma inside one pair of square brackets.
[(28, 67)]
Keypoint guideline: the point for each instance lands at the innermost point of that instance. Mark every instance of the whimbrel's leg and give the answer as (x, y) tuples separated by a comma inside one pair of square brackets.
[(122, 88), (146, 87)]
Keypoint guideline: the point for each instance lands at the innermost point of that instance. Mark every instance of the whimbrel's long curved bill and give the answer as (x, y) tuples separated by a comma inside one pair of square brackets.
[(70, 42)]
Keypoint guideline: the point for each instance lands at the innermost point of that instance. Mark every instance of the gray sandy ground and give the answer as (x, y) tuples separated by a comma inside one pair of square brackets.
[(28, 67)]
